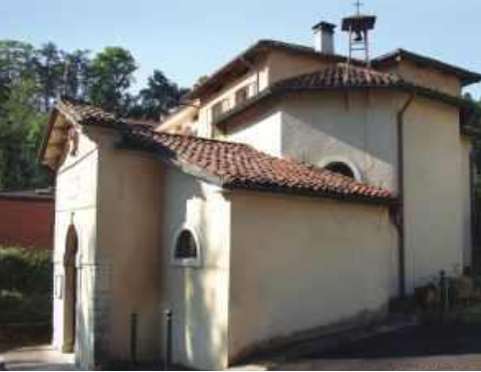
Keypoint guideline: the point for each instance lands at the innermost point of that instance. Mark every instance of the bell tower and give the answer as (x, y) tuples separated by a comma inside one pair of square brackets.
[(358, 26)]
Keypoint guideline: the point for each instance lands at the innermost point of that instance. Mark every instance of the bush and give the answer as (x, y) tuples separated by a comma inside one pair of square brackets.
[(25, 286), (25, 271)]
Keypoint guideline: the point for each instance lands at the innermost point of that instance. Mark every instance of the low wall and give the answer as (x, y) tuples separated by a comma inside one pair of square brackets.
[(26, 222)]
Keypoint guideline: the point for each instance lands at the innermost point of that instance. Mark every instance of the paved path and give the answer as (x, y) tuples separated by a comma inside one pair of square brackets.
[(415, 348), (37, 358)]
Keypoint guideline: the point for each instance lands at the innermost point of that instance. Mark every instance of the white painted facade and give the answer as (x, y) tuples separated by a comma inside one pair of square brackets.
[(272, 268), (76, 204), (360, 129), (303, 266)]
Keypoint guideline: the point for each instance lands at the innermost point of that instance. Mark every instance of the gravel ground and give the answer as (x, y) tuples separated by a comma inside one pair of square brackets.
[(415, 348)]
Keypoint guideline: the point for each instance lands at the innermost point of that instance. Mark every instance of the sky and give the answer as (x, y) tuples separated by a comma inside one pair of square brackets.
[(189, 38)]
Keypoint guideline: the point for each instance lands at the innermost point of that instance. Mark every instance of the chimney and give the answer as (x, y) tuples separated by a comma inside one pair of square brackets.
[(324, 38)]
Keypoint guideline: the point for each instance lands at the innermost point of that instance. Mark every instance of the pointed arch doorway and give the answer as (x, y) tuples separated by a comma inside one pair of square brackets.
[(70, 298)]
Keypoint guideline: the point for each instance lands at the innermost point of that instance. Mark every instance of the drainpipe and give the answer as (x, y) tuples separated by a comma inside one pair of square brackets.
[(398, 212)]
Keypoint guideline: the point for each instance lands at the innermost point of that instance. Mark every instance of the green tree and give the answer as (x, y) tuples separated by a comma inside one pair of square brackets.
[(77, 74), (50, 69), (21, 126), (160, 96), (16, 64), (31, 79), (112, 75)]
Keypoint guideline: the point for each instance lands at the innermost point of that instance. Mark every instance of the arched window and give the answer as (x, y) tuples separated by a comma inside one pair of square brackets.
[(341, 168), (186, 248)]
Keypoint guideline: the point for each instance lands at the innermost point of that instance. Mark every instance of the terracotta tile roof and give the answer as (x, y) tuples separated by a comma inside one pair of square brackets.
[(229, 165), (341, 76), (239, 166), (86, 114)]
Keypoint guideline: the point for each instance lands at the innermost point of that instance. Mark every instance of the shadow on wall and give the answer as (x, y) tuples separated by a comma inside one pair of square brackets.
[(82, 345), (361, 132), (200, 305)]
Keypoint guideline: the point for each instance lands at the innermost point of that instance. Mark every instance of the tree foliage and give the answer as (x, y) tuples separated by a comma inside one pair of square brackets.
[(159, 98), (20, 133), (32, 79), (112, 76)]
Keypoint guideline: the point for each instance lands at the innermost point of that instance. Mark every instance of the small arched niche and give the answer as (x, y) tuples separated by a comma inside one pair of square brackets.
[(343, 167)]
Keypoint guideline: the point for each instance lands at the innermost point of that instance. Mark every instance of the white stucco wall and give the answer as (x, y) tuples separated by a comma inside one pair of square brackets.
[(258, 76), (284, 65), (129, 246), (428, 76), (359, 128), (76, 203), (434, 192), (197, 296), (301, 264), (114, 199), (265, 135)]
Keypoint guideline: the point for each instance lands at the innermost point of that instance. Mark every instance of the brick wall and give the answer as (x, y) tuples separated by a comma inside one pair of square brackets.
[(27, 222)]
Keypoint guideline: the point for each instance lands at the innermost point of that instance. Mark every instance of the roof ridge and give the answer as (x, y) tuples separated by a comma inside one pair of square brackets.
[(344, 69), (192, 137)]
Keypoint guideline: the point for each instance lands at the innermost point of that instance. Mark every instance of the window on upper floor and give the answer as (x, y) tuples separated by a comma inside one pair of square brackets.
[(219, 108), (242, 95), (246, 92)]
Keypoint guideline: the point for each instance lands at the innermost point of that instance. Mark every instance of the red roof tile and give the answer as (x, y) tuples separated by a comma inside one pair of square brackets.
[(339, 76), (86, 114), (239, 166), (229, 165)]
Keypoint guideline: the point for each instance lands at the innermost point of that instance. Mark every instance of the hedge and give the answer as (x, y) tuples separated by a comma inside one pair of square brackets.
[(26, 271), (25, 286)]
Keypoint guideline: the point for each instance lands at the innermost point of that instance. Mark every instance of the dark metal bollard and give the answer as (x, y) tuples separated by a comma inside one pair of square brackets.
[(168, 340), (133, 339)]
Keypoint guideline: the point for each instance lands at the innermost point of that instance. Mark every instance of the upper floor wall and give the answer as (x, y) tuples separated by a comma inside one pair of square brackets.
[(357, 129), (265, 71), (427, 76), (255, 74)]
